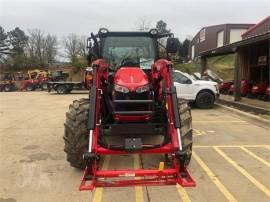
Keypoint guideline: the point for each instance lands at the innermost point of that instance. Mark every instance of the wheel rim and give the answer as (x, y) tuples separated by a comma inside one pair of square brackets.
[(61, 89), (205, 101), (29, 88)]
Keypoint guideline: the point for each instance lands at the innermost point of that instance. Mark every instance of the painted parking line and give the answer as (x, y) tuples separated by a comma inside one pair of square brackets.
[(214, 178), (255, 156), (183, 193), (219, 121), (99, 191), (244, 172), (138, 189), (229, 146), (198, 132)]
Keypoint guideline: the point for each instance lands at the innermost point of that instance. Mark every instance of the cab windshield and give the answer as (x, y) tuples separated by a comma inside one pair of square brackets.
[(129, 51)]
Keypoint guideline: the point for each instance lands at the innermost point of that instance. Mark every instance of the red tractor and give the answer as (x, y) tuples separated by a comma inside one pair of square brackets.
[(132, 97), (267, 94), (36, 79), (245, 88), (225, 86), (258, 91)]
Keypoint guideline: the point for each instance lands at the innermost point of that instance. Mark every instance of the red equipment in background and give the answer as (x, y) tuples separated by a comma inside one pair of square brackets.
[(267, 94), (37, 81), (245, 88), (225, 86), (258, 90)]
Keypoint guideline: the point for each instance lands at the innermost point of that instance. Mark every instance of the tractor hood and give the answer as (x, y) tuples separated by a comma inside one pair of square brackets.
[(130, 77)]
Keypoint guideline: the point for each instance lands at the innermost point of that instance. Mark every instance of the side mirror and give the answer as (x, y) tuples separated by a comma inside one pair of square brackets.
[(172, 45)]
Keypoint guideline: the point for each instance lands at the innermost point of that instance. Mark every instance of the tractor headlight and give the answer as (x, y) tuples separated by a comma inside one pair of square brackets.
[(121, 89), (143, 89)]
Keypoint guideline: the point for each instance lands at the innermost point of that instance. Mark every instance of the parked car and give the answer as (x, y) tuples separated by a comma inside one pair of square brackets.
[(203, 93)]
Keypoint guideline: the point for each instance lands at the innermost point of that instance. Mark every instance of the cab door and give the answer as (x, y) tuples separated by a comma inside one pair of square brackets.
[(183, 86)]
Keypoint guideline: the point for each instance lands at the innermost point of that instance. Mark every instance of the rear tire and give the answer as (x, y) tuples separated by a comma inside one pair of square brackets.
[(205, 100), (76, 138), (61, 89), (8, 88), (186, 128)]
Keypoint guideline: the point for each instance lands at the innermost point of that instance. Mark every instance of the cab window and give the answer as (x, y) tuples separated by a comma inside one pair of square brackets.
[(180, 78)]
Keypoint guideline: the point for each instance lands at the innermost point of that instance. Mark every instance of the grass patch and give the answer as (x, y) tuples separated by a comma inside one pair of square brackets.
[(222, 65), (188, 67)]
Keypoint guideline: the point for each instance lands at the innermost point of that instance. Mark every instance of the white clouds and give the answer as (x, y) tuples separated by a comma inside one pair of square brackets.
[(184, 17)]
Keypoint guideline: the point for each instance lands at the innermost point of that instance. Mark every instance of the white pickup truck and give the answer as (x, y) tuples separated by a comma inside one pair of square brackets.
[(203, 93)]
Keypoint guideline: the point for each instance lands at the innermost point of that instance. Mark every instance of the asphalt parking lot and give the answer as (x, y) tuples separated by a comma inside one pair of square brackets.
[(231, 158)]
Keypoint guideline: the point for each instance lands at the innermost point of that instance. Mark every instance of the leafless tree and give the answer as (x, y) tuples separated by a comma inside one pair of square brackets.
[(143, 24), (82, 46), (42, 49), (71, 44), (51, 45), (36, 47)]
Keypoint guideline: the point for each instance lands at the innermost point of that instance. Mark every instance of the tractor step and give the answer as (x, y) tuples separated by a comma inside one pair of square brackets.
[(144, 177), (133, 101), (132, 112)]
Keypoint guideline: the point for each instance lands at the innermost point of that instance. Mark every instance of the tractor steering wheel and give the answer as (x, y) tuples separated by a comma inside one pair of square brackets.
[(128, 62)]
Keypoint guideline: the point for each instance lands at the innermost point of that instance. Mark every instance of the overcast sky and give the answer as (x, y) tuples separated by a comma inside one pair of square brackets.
[(184, 17)]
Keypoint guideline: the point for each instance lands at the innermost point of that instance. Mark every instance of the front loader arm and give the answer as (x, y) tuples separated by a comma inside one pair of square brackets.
[(163, 69)]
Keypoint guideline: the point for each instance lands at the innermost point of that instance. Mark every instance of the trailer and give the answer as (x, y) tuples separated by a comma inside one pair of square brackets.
[(65, 87)]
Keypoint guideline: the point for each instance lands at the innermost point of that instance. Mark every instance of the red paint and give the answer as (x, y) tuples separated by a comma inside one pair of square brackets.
[(267, 91), (162, 150), (127, 118), (131, 77), (164, 177), (259, 89), (255, 26)]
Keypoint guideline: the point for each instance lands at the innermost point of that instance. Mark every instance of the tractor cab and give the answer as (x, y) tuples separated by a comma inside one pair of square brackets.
[(59, 76), (7, 76)]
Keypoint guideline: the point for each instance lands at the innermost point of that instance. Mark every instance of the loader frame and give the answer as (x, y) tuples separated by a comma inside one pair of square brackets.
[(162, 70)]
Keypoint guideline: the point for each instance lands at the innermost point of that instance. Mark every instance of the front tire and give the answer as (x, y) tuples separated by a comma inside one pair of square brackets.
[(186, 128), (8, 88), (75, 137), (30, 87), (205, 100)]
